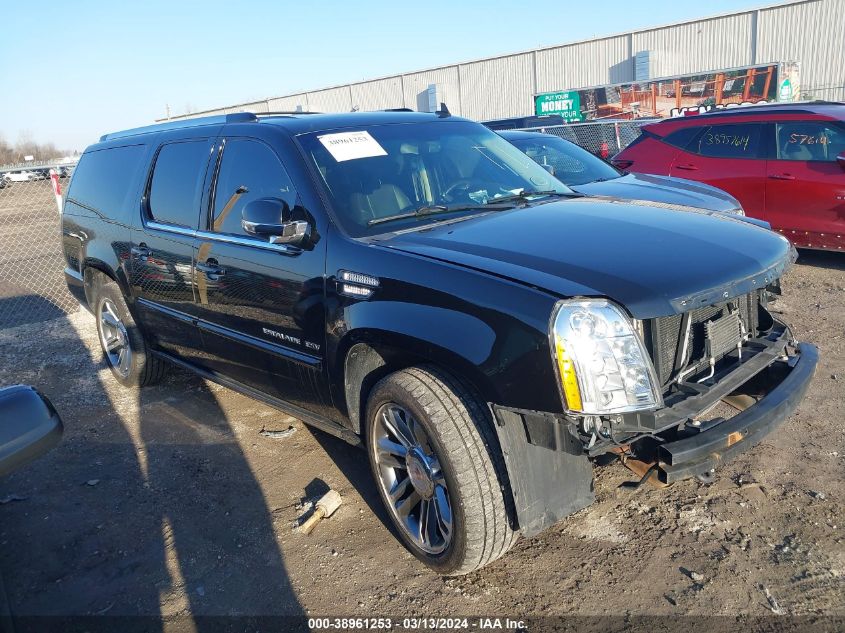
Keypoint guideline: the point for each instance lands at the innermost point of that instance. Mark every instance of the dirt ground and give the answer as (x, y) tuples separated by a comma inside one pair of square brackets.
[(169, 501)]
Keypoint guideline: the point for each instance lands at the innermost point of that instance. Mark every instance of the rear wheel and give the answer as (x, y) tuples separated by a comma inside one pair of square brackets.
[(439, 470), (124, 347)]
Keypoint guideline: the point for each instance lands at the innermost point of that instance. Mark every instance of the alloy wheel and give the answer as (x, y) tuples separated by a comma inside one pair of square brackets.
[(412, 479), (114, 338)]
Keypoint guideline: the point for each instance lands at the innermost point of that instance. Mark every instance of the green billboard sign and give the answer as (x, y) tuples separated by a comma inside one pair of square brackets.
[(565, 104)]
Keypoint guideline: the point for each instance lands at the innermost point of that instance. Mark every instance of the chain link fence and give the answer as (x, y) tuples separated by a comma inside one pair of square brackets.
[(602, 138), (32, 285)]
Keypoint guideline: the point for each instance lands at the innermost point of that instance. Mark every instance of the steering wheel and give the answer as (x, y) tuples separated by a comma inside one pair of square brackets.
[(463, 184)]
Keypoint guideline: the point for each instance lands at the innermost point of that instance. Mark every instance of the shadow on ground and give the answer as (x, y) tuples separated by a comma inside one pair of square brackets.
[(822, 259), (157, 513)]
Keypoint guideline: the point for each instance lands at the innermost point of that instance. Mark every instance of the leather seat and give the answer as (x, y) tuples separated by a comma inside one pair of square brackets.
[(385, 200)]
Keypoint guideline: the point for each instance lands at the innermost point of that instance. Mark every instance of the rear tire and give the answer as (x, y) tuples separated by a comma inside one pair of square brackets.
[(124, 347), (430, 440)]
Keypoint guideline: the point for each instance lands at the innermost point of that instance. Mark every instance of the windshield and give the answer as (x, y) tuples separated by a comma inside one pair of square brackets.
[(566, 161), (375, 172)]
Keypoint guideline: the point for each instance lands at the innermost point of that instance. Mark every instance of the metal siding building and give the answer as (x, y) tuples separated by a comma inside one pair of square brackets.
[(818, 43), (446, 77), (378, 94), (513, 75), (723, 42), (591, 63), (811, 32)]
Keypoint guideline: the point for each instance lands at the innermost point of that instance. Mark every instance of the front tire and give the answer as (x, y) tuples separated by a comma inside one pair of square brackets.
[(439, 470), (124, 347)]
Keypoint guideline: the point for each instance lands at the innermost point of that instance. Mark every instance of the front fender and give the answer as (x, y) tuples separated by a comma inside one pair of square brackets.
[(504, 358), (426, 330), (370, 354), (488, 331)]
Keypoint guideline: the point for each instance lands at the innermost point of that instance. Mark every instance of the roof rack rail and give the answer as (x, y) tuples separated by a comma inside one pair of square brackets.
[(397, 110), (286, 112), (218, 119)]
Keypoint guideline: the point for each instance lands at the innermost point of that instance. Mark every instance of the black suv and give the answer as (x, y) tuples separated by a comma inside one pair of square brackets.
[(416, 285)]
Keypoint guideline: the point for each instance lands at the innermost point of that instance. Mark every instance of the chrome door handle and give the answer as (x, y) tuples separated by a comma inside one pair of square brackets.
[(210, 269)]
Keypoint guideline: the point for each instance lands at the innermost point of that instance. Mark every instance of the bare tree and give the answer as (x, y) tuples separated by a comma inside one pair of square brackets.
[(27, 146), (6, 152)]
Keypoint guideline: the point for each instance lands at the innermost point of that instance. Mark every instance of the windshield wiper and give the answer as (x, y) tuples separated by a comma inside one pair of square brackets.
[(428, 209), (523, 196), (503, 203)]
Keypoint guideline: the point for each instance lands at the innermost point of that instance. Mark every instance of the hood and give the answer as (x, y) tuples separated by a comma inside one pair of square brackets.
[(663, 189), (654, 261)]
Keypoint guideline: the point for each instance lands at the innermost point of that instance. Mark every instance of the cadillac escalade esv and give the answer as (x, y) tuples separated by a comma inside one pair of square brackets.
[(416, 285)]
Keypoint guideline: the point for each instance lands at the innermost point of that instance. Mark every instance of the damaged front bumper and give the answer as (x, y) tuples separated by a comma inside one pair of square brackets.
[(702, 451), (546, 460)]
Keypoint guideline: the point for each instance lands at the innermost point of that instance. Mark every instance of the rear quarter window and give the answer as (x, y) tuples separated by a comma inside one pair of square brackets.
[(682, 138), (104, 178), (176, 185)]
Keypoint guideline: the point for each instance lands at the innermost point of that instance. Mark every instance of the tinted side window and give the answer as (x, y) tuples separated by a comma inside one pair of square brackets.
[(104, 178), (682, 138), (806, 140), (741, 140), (249, 170), (177, 181), (569, 163)]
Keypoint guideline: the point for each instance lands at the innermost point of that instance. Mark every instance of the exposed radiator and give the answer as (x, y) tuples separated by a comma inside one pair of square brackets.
[(674, 347)]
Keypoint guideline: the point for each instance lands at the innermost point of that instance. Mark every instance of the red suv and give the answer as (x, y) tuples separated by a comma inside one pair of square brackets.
[(784, 162)]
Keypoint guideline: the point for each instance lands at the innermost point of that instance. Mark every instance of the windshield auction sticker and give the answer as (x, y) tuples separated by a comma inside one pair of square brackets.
[(351, 145)]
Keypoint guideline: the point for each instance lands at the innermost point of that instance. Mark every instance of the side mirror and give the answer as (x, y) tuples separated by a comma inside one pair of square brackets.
[(841, 160), (270, 218), (29, 427)]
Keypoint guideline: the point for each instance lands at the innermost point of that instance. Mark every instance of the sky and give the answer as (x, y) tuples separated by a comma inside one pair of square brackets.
[(72, 71)]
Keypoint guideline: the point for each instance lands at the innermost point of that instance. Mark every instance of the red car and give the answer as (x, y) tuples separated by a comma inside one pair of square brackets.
[(784, 162)]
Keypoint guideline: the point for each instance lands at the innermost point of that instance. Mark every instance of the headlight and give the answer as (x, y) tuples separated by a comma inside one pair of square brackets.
[(602, 364)]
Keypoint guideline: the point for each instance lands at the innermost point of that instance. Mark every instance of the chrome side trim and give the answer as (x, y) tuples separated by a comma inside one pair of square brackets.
[(173, 314), (171, 228), (284, 249), (290, 354)]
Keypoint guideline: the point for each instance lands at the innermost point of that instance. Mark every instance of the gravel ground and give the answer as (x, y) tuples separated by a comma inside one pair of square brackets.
[(169, 501)]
